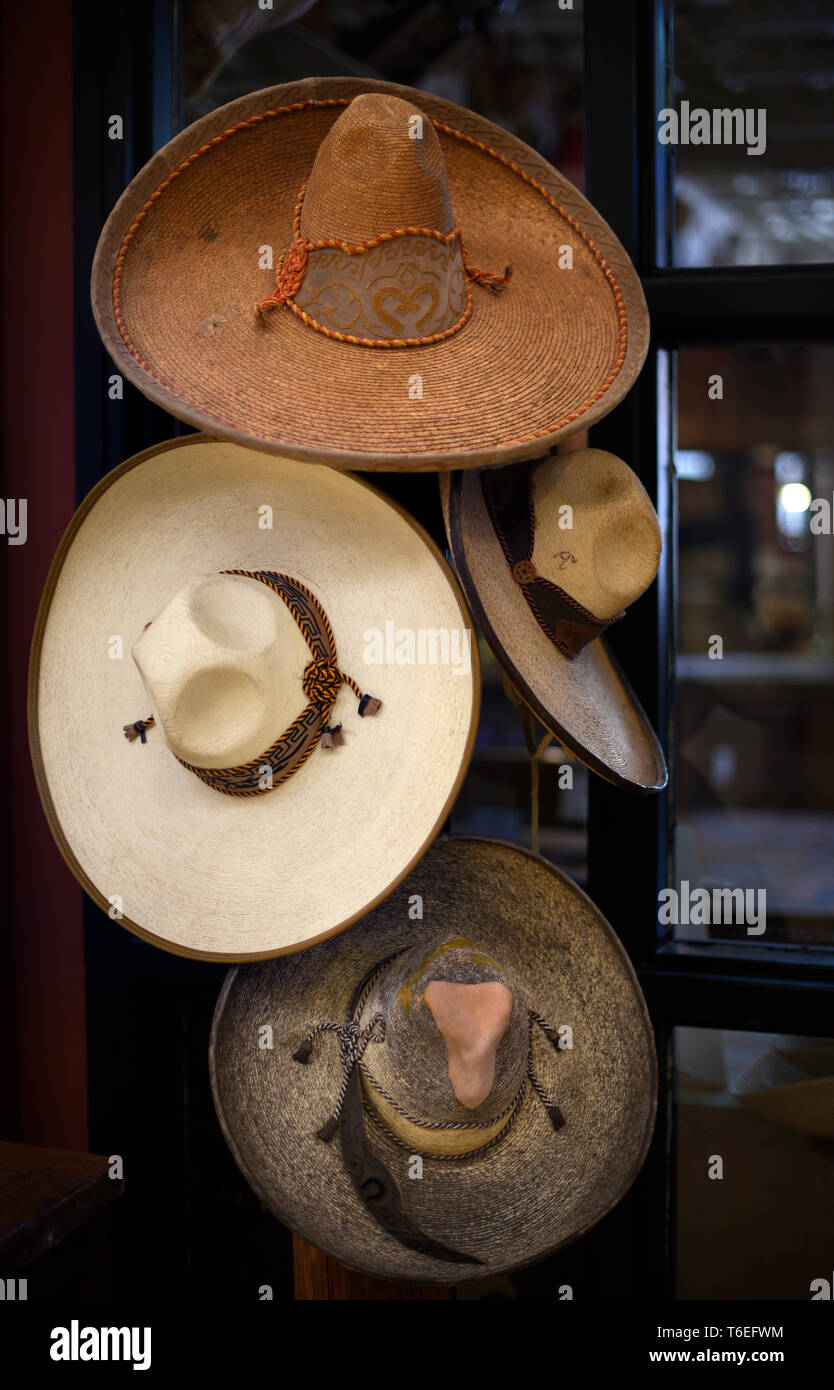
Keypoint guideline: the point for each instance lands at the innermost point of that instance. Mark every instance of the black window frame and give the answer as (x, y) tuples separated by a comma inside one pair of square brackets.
[(628, 70)]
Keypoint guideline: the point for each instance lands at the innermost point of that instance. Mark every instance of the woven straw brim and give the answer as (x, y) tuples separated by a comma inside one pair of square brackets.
[(586, 703), (551, 354), (538, 1188), (198, 872)]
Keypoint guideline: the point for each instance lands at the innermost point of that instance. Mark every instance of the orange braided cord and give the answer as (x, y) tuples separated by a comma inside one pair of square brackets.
[(485, 277), (291, 268), (293, 264)]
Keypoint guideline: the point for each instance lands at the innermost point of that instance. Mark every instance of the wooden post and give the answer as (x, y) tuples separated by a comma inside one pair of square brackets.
[(317, 1276)]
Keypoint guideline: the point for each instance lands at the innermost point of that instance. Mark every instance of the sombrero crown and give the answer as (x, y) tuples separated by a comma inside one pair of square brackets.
[(581, 538), (457, 1039), (376, 259), (222, 664), (439, 1049)]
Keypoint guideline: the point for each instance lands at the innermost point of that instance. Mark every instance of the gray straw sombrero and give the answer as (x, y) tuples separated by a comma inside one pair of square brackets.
[(463, 1083), (210, 645), (361, 274), (550, 553)]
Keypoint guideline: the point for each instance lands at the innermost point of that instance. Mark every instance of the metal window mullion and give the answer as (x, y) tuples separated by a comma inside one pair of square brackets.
[(743, 1003), (728, 305), (624, 849)]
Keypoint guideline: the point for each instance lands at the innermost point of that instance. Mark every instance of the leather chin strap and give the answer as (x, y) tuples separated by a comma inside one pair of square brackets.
[(508, 493), (376, 1186)]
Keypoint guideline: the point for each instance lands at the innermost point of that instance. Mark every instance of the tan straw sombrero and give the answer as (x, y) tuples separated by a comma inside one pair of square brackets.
[(463, 1083), (352, 272), (240, 623), (550, 554)]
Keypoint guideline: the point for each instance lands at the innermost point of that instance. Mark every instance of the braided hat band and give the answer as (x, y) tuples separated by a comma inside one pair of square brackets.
[(321, 681)]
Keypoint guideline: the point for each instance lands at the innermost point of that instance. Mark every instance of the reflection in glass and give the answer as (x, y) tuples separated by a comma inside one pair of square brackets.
[(755, 770), (751, 56), (517, 62), (754, 1170)]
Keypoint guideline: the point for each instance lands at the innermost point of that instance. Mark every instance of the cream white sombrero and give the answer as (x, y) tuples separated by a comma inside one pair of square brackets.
[(550, 554), (461, 1084), (240, 622)]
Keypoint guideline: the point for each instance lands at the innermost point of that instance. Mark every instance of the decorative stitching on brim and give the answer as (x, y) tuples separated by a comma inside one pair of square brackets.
[(312, 103)]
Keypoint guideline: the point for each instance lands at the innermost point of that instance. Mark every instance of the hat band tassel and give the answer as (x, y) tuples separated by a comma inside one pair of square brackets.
[(288, 277), (554, 1112), (352, 1044), (138, 729), (549, 1031)]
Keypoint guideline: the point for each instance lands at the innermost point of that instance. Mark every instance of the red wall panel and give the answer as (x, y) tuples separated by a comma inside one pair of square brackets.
[(44, 948)]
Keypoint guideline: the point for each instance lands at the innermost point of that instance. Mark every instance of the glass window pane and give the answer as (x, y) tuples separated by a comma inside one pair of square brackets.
[(755, 665), (754, 1169), (774, 65), (518, 62)]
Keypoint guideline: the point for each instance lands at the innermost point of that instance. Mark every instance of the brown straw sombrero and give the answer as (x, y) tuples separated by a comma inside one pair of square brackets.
[(352, 272), (214, 635), (550, 554), (463, 1083)]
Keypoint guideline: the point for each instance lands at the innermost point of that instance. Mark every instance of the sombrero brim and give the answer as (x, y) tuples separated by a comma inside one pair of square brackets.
[(188, 868), (586, 703), (551, 354), (537, 1189)]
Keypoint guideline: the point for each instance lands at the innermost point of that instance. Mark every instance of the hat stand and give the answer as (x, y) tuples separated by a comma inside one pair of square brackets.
[(317, 1276)]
